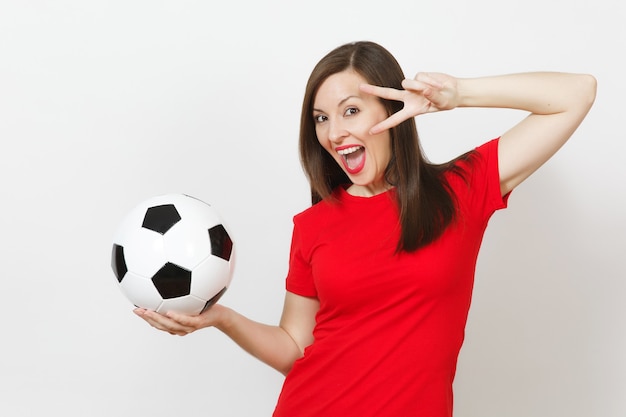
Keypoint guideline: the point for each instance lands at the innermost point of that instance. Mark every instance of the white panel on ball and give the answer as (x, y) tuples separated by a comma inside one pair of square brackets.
[(211, 266), (187, 304), (196, 211), (145, 251), (187, 243), (140, 291)]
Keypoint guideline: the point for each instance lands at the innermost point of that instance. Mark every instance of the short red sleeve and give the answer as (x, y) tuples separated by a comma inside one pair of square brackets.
[(479, 188), (300, 277)]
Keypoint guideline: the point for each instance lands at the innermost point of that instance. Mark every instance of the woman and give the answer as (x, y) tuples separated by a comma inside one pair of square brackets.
[(382, 265)]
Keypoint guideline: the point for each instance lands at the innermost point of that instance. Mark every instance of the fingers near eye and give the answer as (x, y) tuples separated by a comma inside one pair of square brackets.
[(382, 92), (414, 85), (392, 121)]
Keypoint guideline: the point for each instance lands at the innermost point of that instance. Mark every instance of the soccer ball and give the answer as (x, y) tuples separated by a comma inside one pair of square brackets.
[(173, 253)]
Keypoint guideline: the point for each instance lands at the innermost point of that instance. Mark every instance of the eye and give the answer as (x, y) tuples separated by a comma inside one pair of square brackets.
[(319, 118), (350, 111)]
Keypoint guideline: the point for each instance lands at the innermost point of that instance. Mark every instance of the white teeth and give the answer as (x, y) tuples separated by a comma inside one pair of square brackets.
[(348, 151)]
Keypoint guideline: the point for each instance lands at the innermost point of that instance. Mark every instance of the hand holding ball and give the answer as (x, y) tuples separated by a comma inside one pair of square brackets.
[(173, 253)]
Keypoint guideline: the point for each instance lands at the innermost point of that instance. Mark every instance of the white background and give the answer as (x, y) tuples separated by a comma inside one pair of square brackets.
[(106, 103)]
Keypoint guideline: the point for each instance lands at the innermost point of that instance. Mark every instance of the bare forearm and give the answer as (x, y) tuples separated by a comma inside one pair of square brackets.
[(537, 92), (277, 346), (270, 344), (557, 102)]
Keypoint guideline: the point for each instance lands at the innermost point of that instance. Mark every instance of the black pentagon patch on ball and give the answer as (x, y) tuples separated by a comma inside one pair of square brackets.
[(221, 244), (118, 262), (161, 218), (172, 281)]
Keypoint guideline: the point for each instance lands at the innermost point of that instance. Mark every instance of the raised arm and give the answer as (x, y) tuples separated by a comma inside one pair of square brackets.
[(277, 346), (557, 103)]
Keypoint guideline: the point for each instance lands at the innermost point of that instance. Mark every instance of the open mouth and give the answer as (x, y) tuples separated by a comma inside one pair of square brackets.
[(353, 158)]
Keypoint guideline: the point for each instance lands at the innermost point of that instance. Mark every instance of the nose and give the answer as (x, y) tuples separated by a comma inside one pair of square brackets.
[(337, 132)]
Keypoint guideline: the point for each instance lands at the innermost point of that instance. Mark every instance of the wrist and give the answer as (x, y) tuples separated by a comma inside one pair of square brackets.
[(222, 317), (465, 92)]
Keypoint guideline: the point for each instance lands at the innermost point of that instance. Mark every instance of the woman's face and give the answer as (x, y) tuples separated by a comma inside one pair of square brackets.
[(343, 117)]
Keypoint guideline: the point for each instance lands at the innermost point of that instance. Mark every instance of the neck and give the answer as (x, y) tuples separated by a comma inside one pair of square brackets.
[(368, 190)]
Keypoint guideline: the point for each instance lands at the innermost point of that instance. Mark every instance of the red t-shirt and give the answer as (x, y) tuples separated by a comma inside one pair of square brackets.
[(390, 326)]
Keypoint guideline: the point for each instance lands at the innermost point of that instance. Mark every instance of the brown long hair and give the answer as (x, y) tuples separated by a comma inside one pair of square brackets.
[(426, 204)]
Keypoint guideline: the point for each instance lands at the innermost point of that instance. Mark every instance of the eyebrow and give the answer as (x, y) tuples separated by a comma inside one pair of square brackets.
[(338, 104)]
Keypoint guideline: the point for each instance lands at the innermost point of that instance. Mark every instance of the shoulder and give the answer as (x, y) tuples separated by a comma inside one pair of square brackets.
[(477, 158), (312, 216), (475, 180), (309, 223), (473, 166)]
